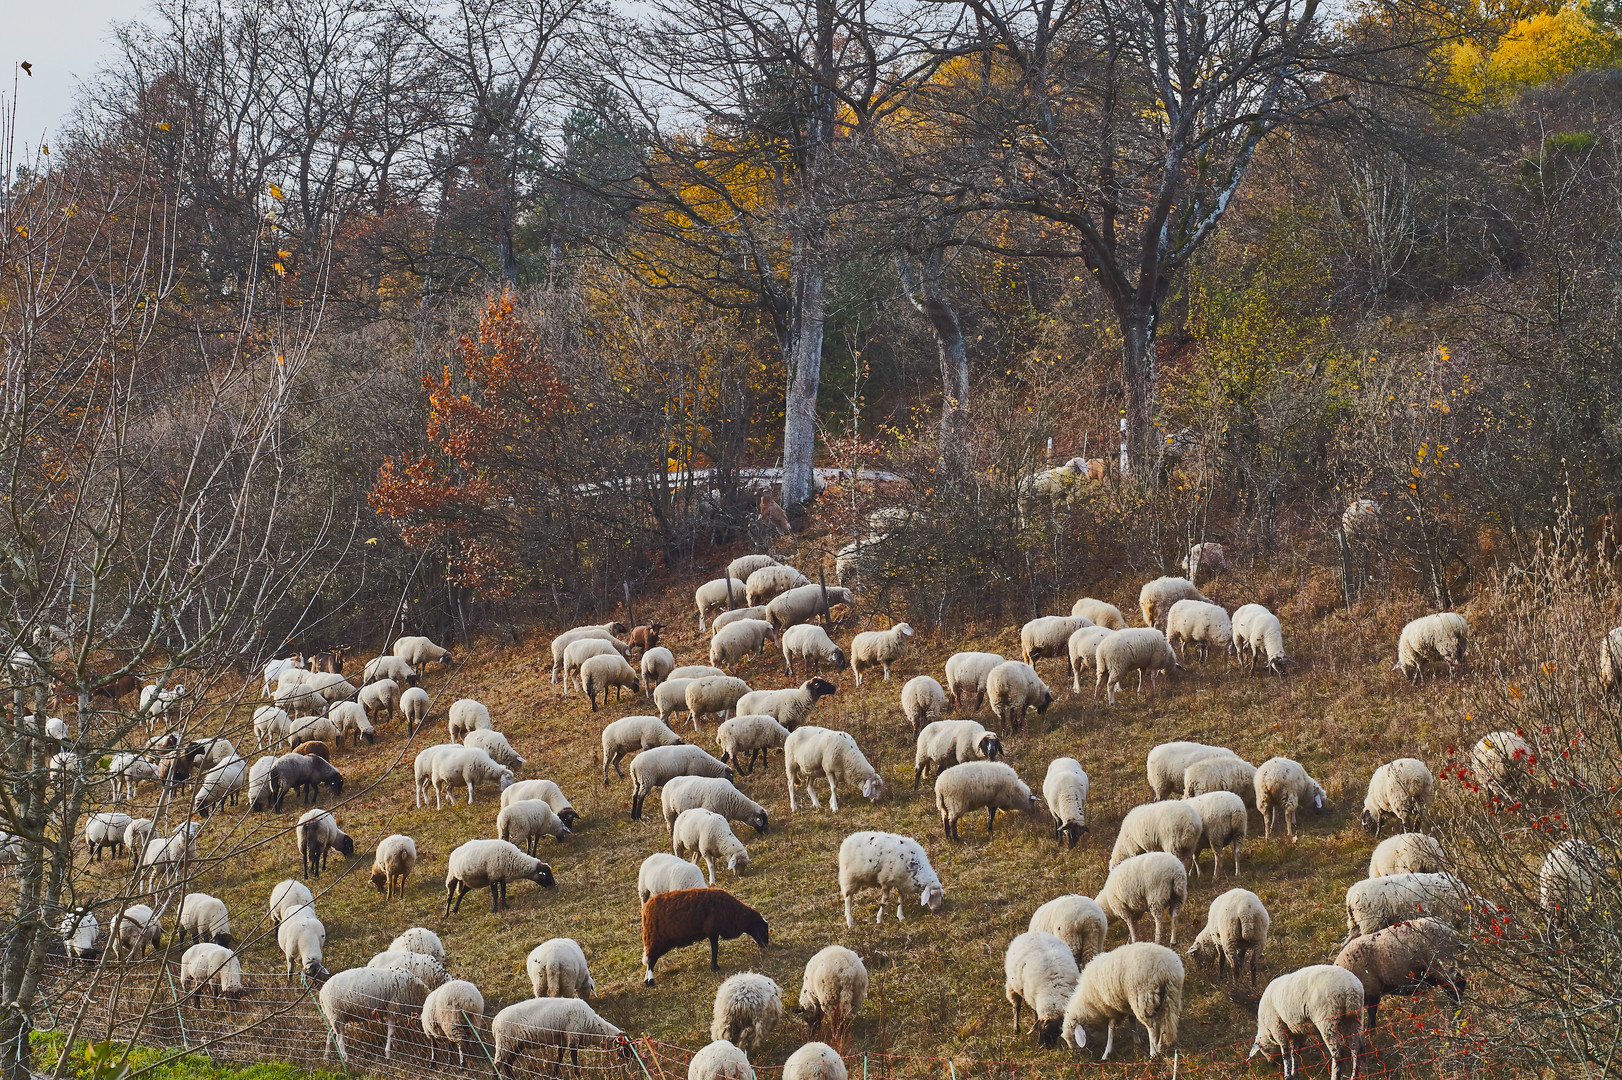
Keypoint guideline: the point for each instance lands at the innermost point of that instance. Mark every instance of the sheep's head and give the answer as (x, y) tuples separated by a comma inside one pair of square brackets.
[(874, 787), (1371, 820), (1319, 802), (315, 971), (838, 659), (1204, 949), (380, 879), (1277, 664), (758, 929), (819, 688), (738, 863), (542, 875), (235, 992), (616, 627), (1044, 701), (932, 896), (345, 845), (1072, 832), (903, 629), (758, 821), (1047, 1031), (569, 816), (505, 779), (990, 746)]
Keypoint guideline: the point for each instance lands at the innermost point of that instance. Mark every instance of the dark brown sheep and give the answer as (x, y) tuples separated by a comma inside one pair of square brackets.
[(673, 920), (176, 767), (646, 637), (305, 773), (314, 748), (331, 661), (1405, 959)]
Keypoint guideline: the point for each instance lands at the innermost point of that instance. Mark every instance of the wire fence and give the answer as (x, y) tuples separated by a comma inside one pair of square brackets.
[(278, 1019)]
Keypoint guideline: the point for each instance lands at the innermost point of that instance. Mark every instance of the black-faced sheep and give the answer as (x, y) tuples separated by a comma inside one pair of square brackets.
[(493, 863)]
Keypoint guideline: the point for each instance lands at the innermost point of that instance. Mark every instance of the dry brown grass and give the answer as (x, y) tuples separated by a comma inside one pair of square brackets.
[(940, 991)]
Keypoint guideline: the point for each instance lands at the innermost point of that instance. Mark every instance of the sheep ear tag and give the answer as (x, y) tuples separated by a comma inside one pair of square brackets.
[(1317, 802)]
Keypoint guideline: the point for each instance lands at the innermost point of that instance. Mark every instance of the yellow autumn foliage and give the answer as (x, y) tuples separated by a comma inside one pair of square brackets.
[(1536, 50)]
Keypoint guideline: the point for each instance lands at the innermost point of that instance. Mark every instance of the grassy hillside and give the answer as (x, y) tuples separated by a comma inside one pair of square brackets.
[(938, 979)]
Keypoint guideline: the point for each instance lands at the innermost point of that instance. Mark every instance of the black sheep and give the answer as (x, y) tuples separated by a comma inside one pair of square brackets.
[(675, 919)]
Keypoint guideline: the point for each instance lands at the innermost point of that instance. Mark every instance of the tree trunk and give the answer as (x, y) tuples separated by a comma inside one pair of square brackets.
[(804, 378), (930, 299), (1139, 373)]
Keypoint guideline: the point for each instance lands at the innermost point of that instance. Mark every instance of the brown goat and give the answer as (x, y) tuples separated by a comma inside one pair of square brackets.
[(314, 748), (646, 637), (673, 920), (331, 661), (772, 516)]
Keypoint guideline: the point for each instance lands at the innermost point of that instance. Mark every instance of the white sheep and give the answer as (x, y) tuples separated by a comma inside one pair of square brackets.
[(1402, 789), (740, 568), (422, 767), (1064, 789), (1099, 613), (662, 872), (1125, 651), (700, 833), (419, 939), (380, 700), (136, 835), (657, 664), (331, 686), (790, 706), (833, 989), (135, 930), (968, 671), (1610, 659), (1195, 622), (1376, 903), (713, 695), (600, 673), (318, 835), (1282, 788), (452, 1011), (105, 830), (260, 794), (923, 701), (273, 669), (1257, 633), (80, 931), (1322, 998), (951, 742), (361, 994), (740, 640), (393, 862), (1013, 688), (1222, 772), (128, 770), (813, 753), (767, 583), (302, 938), (561, 643), (213, 966), (1077, 921), (303, 729), (662, 764), (712, 793), (815, 1061), (1206, 558), (389, 667), (204, 918), (1235, 930), (748, 1006), (749, 737), (1407, 853), (694, 671), (720, 1060), (1155, 884), (1224, 823), (889, 863), (1156, 598), (727, 618), (547, 1023), (465, 765), (1039, 970), (419, 652), (220, 785), (524, 823), (630, 735), (557, 969), (878, 648), (719, 595), (429, 970), (1049, 636), (269, 725), (493, 863), (1443, 636), (1172, 827), (1502, 759), (980, 785), (578, 652), (290, 897), (1566, 881), (546, 791), (670, 697), (496, 745), (170, 856), (804, 604), (1138, 981), (812, 647), (350, 719), (1083, 651)]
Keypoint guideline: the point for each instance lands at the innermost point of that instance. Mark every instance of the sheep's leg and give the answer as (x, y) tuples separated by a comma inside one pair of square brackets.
[(711, 867), (1109, 1042), (1159, 926), (791, 804), (991, 820), (715, 952), (833, 796), (1132, 928), (811, 793), (899, 902), (850, 921)]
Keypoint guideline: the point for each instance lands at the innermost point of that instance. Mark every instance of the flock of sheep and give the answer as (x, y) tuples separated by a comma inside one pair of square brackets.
[(1403, 922)]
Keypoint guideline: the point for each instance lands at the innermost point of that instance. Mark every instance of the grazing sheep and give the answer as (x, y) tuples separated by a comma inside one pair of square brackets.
[(290, 897), (259, 793), (1502, 759), (1224, 823), (273, 669), (1013, 688), (694, 671), (419, 939), (889, 863), (727, 618), (557, 969), (833, 989), (1402, 789), (452, 1011), (878, 648), (1610, 659), (740, 640), (804, 604), (1443, 637), (331, 686), (1235, 929), (213, 966), (740, 568), (599, 673), (169, 857), (1206, 558), (670, 697), (968, 671), (576, 655), (790, 706), (1376, 903), (951, 742), (1173, 827), (204, 918), (1256, 633), (419, 652), (1321, 998), (546, 791), (524, 823), (1077, 921), (662, 872), (311, 729), (1407, 853), (318, 834), (1282, 788), (1155, 884), (713, 695), (812, 647), (380, 700), (80, 933), (221, 785), (1099, 613), (389, 667), (721, 594), (605, 632), (923, 701), (1125, 651), (493, 863), (711, 793), (424, 967), (1064, 789), (980, 785), (812, 753), (769, 582), (748, 1006), (1405, 959), (751, 734), (673, 920), (815, 1061), (658, 766), (496, 745), (1566, 881), (698, 832), (1083, 651), (1040, 970), (720, 1060), (1194, 622), (269, 726), (467, 715), (1138, 981), (105, 830), (351, 719), (630, 735), (128, 770), (1222, 772), (1049, 636), (466, 765), (551, 1023), (392, 863), (423, 768), (361, 994), (134, 932), (657, 664), (136, 835), (1157, 597)]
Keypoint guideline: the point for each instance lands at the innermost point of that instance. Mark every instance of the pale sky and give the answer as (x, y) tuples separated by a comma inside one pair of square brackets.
[(65, 41)]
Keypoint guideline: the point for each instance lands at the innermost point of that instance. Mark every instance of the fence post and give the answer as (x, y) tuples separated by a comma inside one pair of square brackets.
[(322, 1013), (175, 997), (471, 1026), (864, 1066)]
